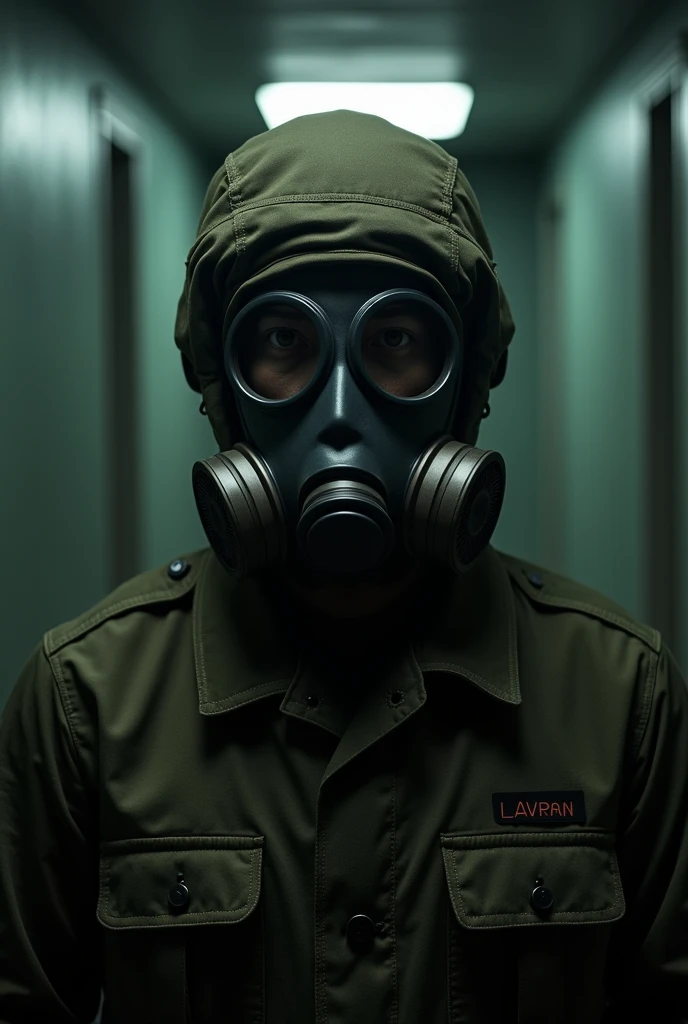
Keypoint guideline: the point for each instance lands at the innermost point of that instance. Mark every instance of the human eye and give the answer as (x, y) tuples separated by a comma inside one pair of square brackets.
[(393, 339), (284, 339), (280, 340)]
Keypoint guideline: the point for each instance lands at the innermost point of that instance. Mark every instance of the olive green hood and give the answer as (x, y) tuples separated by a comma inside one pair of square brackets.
[(340, 186)]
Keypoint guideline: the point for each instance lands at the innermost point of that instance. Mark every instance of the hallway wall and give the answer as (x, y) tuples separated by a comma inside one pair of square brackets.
[(508, 190), (54, 539), (594, 263)]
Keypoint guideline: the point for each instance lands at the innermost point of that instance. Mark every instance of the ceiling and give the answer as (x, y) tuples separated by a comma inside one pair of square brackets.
[(529, 61)]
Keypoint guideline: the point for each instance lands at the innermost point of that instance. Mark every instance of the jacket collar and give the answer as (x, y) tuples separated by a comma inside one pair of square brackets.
[(244, 651), (473, 631)]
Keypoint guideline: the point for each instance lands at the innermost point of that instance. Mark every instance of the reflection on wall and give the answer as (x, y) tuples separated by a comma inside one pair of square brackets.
[(600, 461), (54, 466), (507, 191)]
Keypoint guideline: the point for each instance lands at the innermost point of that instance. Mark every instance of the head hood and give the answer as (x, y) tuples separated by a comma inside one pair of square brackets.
[(341, 187)]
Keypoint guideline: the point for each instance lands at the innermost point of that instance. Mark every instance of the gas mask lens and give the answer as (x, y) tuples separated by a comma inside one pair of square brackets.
[(275, 347), (346, 451), (405, 346)]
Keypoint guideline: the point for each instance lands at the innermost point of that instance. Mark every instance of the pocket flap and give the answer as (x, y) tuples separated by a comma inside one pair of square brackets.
[(221, 873), (491, 878)]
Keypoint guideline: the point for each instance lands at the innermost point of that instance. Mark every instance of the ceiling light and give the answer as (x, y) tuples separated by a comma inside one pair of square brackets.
[(436, 110), (365, 64)]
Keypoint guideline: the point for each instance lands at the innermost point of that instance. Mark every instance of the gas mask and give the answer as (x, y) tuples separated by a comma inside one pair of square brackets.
[(346, 384)]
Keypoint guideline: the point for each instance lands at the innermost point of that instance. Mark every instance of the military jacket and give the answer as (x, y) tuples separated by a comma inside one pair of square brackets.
[(210, 823)]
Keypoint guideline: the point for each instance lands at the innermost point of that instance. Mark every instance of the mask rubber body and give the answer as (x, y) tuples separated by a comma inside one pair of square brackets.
[(347, 455)]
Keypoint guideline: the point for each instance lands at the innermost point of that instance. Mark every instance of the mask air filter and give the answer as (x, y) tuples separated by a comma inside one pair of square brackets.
[(240, 510), (453, 500)]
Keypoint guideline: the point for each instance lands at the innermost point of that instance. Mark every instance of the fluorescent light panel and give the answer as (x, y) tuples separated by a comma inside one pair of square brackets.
[(365, 63), (436, 110)]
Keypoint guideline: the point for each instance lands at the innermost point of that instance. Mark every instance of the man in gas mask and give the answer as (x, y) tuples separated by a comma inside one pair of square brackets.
[(349, 764)]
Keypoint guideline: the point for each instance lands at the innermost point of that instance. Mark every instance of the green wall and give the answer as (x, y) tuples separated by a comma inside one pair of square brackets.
[(507, 190), (593, 386), (599, 336), (52, 334)]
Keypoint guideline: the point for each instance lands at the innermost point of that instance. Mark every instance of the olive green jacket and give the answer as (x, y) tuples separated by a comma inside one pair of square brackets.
[(213, 823)]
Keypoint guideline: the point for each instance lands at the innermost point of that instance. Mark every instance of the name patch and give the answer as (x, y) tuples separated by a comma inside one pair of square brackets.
[(554, 807)]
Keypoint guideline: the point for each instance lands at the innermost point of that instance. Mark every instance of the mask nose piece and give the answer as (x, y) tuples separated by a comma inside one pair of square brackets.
[(339, 436), (344, 527)]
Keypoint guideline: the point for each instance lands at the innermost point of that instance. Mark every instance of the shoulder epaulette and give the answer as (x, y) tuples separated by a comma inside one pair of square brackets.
[(552, 590), (166, 583)]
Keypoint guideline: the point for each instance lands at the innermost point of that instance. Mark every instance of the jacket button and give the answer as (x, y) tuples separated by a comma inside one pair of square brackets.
[(360, 931), (536, 579), (178, 896), (312, 701), (178, 569), (541, 899)]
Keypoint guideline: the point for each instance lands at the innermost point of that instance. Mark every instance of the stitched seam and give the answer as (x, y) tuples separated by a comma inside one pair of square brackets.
[(514, 680), (68, 708), (233, 190), (448, 188), (648, 697), (330, 198), (321, 987), (345, 197), (618, 891), (601, 614), (442, 666), (130, 602), (197, 635), (554, 839), (341, 197), (168, 916), (453, 250), (240, 233), (108, 888), (260, 980), (235, 179), (249, 689), (393, 839), (228, 172), (323, 851), (174, 843), (184, 994), (591, 609), (337, 252), (578, 914), (452, 962)]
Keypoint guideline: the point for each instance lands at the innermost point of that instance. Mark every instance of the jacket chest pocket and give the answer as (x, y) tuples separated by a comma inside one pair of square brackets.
[(528, 923), (183, 939)]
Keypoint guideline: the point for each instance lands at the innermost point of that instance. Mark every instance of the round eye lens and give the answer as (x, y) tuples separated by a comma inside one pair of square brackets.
[(276, 350), (405, 347)]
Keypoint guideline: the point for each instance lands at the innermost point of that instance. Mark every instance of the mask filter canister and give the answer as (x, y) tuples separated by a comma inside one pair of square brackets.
[(452, 503), (240, 510), (345, 527)]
